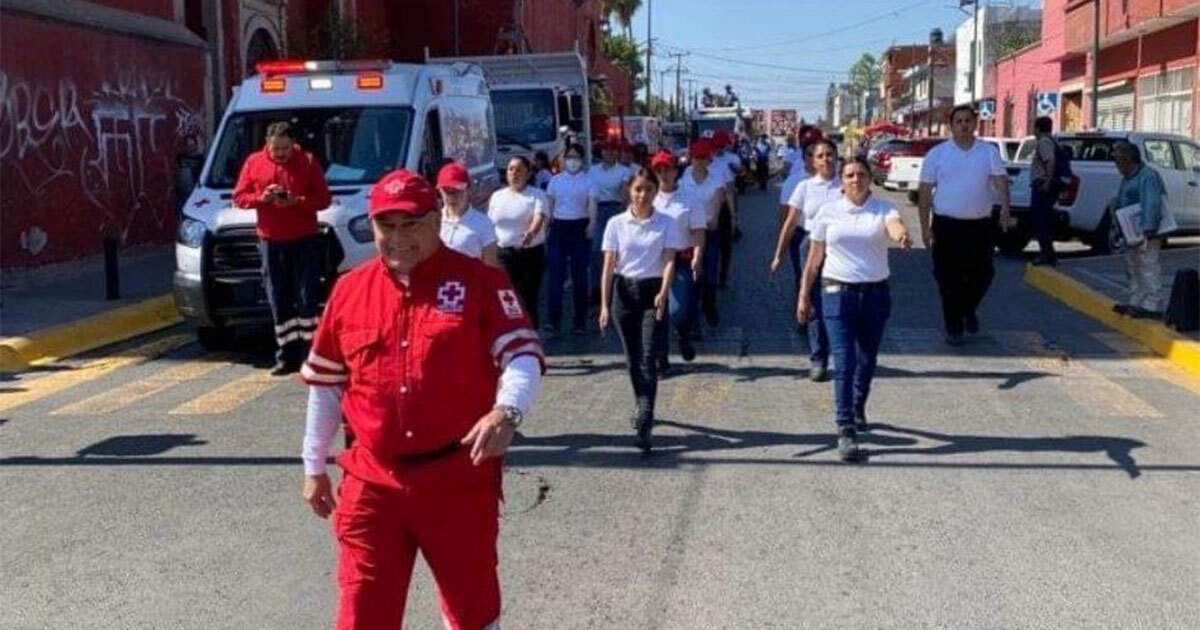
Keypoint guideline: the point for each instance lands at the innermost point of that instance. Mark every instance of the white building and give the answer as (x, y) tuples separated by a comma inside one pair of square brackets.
[(996, 24)]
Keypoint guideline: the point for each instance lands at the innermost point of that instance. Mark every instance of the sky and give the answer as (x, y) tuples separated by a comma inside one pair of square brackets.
[(799, 46)]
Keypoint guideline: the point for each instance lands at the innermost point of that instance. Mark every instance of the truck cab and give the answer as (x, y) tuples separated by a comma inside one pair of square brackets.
[(540, 101), (360, 119)]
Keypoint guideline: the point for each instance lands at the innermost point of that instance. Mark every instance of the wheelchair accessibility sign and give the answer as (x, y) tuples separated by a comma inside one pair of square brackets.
[(1047, 103), (987, 109)]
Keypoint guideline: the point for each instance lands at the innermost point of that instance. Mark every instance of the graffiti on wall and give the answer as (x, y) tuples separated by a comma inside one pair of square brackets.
[(111, 149)]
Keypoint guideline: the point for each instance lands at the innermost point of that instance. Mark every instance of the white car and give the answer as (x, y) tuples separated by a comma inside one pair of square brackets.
[(360, 120), (1082, 209)]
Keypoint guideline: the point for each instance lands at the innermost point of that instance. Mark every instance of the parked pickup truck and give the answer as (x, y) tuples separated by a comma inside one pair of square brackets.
[(1082, 208)]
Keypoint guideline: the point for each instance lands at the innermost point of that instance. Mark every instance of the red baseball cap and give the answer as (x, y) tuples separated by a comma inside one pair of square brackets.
[(701, 149), (662, 159), (454, 176), (402, 191)]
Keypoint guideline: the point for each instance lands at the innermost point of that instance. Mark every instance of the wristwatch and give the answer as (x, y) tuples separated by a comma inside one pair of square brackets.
[(512, 415)]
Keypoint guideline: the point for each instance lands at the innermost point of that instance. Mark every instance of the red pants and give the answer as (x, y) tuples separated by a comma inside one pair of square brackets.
[(379, 531)]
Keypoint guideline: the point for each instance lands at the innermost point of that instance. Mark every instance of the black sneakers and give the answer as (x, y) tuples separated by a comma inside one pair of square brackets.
[(860, 419), (283, 368), (847, 446), (818, 373), (686, 349)]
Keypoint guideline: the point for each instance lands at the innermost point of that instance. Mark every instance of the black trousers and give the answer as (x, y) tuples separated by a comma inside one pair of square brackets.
[(962, 266), (292, 279), (525, 267), (641, 333), (725, 246)]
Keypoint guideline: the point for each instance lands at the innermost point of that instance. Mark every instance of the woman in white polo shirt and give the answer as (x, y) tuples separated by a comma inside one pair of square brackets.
[(465, 229), (639, 263), (690, 217), (708, 190), (802, 205), (520, 214), (609, 179), (849, 253), (573, 216)]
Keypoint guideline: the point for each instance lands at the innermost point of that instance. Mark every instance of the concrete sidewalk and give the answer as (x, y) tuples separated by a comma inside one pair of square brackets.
[(1106, 274), (60, 309)]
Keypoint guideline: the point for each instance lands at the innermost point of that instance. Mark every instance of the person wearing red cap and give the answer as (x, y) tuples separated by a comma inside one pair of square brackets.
[(465, 229), (286, 187), (691, 220), (431, 358), (707, 191), (726, 165)]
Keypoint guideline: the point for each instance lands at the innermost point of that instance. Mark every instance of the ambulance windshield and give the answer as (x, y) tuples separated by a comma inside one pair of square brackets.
[(524, 116), (355, 145)]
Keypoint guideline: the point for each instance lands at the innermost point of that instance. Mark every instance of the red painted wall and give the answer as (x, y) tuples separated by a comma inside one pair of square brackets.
[(88, 137)]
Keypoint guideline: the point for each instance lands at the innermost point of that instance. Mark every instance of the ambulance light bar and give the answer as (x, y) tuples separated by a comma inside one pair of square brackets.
[(297, 66)]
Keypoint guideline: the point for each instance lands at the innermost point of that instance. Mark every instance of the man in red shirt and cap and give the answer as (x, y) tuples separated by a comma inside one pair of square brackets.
[(286, 187), (434, 363)]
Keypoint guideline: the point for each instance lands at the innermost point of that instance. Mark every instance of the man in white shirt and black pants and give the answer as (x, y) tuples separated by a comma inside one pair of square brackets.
[(956, 180)]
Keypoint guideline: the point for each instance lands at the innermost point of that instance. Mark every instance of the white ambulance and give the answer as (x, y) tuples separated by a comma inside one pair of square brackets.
[(360, 119)]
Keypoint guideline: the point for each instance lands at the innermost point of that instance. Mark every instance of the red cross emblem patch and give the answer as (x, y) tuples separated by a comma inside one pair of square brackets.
[(450, 296), (510, 304)]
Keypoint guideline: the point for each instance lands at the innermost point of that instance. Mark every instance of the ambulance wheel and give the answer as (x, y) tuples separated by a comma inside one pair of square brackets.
[(213, 337)]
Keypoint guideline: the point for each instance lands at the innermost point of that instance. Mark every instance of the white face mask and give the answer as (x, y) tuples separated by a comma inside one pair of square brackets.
[(573, 164)]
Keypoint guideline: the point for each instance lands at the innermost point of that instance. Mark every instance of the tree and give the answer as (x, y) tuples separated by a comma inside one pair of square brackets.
[(624, 10), (336, 37), (865, 74), (624, 54)]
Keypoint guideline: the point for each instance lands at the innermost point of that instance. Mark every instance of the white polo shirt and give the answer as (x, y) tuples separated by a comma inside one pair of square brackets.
[(640, 244), (468, 234), (674, 204), (856, 239), (962, 178), (724, 166), (609, 181), (570, 194), (512, 212), (789, 185), (707, 195), (812, 193)]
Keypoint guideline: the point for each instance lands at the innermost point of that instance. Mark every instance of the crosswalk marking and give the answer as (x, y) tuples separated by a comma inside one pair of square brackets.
[(229, 396), (1140, 358), (33, 389), (134, 391), (1089, 388)]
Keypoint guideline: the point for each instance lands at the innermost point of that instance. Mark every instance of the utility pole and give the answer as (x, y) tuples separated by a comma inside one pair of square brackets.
[(1095, 118), (649, 49), (691, 99), (678, 85)]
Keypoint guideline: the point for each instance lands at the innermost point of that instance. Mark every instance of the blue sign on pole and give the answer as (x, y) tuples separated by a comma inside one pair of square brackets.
[(1047, 103), (987, 108)]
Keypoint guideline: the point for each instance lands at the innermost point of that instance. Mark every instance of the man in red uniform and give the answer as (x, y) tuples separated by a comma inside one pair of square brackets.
[(286, 187), (434, 363)]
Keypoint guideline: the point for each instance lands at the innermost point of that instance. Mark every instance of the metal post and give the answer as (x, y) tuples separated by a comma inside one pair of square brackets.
[(678, 86), (649, 50), (1095, 118), (112, 279)]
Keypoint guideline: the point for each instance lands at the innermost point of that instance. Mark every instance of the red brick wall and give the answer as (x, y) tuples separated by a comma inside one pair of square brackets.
[(88, 137)]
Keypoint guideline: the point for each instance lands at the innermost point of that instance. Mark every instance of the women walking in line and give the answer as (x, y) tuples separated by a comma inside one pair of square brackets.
[(691, 221), (639, 263), (520, 214), (707, 189), (809, 195), (573, 215), (850, 238), (608, 179), (465, 229)]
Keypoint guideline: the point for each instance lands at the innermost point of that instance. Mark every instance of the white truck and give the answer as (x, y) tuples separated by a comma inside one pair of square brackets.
[(1082, 209), (707, 120), (541, 101), (360, 119)]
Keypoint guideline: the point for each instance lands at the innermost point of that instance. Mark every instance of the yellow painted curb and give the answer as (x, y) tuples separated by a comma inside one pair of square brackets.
[(1155, 335), (89, 333)]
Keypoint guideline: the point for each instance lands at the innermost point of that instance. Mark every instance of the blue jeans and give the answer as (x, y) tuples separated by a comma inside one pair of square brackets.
[(855, 317), (605, 210), (683, 307), (568, 249), (818, 334)]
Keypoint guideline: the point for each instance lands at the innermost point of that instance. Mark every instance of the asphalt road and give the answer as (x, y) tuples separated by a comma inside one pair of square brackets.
[(1043, 476)]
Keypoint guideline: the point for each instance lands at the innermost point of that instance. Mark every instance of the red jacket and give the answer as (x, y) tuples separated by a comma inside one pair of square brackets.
[(420, 362), (301, 176)]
